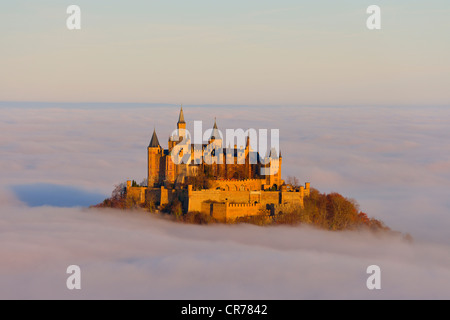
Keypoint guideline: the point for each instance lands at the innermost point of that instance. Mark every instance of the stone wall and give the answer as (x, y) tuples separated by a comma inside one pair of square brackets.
[(239, 185), (229, 212), (137, 194), (223, 205), (234, 211), (196, 198)]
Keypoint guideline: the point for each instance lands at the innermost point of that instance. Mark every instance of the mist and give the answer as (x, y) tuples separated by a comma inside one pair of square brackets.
[(393, 161), (133, 255)]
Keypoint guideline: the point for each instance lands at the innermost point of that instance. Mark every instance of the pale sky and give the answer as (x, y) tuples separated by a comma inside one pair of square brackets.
[(226, 52)]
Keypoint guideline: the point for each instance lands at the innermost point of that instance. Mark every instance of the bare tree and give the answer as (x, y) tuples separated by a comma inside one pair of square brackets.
[(144, 182), (119, 191), (293, 181)]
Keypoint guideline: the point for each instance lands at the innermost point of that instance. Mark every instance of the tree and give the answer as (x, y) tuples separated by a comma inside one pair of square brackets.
[(117, 199), (199, 181), (119, 191), (340, 211), (293, 181), (363, 218), (175, 207), (144, 182), (149, 204)]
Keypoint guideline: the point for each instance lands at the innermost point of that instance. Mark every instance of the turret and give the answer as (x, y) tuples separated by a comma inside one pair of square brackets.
[(181, 124), (215, 134), (154, 159), (215, 147), (280, 162)]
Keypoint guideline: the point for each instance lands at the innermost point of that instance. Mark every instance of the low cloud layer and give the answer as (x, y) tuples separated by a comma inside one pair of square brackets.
[(393, 161), (131, 255)]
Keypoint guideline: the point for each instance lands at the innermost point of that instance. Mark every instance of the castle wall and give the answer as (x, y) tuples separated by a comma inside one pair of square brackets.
[(164, 196), (269, 197), (234, 211), (292, 197), (154, 195), (240, 203), (219, 211), (284, 208), (255, 196), (197, 197), (136, 194), (239, 185), (206, 208), (229, 212)]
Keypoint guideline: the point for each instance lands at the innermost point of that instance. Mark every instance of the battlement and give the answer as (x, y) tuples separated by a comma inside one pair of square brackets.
[(238, 180), (136, 194), (229, 212), (239, 184), (243, 205)]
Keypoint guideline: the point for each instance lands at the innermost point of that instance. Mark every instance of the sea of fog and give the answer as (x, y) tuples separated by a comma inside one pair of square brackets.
[(57, 159)]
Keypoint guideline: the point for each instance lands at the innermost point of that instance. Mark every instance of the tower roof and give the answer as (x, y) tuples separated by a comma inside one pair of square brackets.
[(215, 132), (154, 143), (274, 154), (181, 117)]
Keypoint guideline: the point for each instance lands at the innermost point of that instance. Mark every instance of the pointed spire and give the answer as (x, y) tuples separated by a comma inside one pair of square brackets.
[(273, 153), (154, 143), (215, 132), (181, 117)]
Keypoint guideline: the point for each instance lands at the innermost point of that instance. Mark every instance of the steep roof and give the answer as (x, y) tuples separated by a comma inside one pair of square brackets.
[(181, 117), (215, 132), (154, 143)]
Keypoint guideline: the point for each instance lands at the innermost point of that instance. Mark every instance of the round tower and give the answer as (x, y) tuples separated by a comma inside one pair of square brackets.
[(154, 160)]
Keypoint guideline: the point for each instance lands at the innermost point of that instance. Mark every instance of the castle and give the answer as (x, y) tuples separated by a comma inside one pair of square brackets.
[(229, 187)]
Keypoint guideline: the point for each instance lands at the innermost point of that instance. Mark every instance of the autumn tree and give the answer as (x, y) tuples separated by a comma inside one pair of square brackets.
[(341, 213), (117, 199)]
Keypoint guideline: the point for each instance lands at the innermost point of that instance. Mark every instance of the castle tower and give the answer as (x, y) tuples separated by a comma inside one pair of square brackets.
[(180, 132), (215, 143), (155, 153), (248, 165), (172, 170), (280, 162), (181, 125), (215, 134), (274, 168)]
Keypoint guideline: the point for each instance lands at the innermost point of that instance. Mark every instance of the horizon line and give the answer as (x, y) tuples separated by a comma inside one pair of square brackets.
[(153, 104)]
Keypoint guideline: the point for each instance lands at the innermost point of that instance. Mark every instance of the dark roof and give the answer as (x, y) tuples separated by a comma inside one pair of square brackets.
[(215, 132), (181, 117), (154, 143)]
